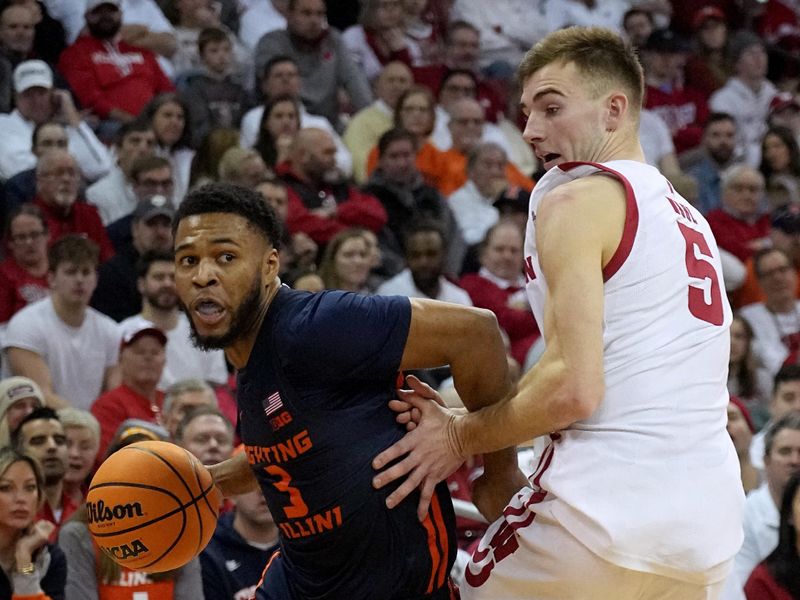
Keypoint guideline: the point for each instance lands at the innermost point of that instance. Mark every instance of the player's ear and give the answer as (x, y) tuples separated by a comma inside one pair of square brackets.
[(270, 265), (617, 106)]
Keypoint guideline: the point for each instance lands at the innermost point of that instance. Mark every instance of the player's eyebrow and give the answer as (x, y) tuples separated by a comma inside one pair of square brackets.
[(225, 240), (548, 90)]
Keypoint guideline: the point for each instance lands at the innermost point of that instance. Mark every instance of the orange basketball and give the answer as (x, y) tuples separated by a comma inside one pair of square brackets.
[(152, 506)]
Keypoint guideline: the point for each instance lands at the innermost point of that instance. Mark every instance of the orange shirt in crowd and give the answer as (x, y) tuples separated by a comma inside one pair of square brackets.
[(750, 291), (430, 162)]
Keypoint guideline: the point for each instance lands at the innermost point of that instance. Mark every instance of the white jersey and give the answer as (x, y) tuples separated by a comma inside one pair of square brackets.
[(651, 480)]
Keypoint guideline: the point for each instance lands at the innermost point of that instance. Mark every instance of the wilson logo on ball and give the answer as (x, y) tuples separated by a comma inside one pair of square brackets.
[(125, 551), (98, 512)]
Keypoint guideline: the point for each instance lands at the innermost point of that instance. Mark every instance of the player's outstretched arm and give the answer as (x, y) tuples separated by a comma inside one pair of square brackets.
[(234, 476)]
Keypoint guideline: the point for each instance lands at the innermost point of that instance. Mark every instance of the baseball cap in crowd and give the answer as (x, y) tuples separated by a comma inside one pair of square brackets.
[(667, 41), (153, 207), (32, 73), (17, 388), (512, 199), (706, 14), (137, 328), (782, 101), (92, 4), (745, 412), (787, 218)]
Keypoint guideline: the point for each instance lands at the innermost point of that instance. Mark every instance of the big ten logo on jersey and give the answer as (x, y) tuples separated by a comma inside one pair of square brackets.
[(280, 420), (275, 412)]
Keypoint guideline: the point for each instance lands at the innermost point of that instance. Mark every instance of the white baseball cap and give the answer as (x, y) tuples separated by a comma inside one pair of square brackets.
[(32, 73)]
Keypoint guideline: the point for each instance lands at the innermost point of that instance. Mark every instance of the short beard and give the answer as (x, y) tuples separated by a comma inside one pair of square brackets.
[(244, 320), (104, 30)]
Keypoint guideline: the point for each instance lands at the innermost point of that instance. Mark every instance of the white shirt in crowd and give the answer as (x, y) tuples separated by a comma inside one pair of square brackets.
[(769, 328), (473, 211), (761, 521), (113, 196), (402, 284), (258, 17)]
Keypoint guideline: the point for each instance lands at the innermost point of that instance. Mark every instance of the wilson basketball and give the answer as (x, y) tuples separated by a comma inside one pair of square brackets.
[(152, 506)]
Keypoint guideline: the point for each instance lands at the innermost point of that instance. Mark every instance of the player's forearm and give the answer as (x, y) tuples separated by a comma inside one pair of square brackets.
[(234, 476)]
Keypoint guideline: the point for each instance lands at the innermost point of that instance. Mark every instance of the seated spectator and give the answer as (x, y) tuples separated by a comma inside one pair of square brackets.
[(715, 154), (775, 322), (22, 187), (41, 435), (182, 397), (323, 60), (215, 95), (141, 361), (280, 122), (281, 77), (423, 278), (740, 428), (320, 203), (83, 444), (399, 186), (113, 195), (345, 263), (779, 575), (111, 77), (785, 399), (205, 163), (243, 167), (748, 380), (784, 111), (366, 127), (500, 287), (706, 68), (739, 226), (205, 432), (682, 108), (378, 38), (117, 294), (761, 509), (167, 114), (49, 39), (747, 94), (57, 185), (155, 271), (37, 569), (637, 25), (259, 17), (246, 536), (23, 274), (17, 31), (37, 102), (418, 26), (780, 165), (19, 396), (466, 125), (61, 343)]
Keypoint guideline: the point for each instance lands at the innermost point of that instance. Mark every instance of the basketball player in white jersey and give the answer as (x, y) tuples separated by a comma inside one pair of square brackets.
[(638, 494)]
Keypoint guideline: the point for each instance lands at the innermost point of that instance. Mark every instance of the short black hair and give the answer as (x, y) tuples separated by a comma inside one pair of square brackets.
[(278, 59), (232, 199), (716, 117), (209, 35), (394, 135), (422, 225), (785, 373), (150, 257), (136, 125), (450, 73), (43, 413), (759, 256)]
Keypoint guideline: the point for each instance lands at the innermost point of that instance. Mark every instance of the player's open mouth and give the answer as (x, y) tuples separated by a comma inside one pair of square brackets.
[(549, 158), (209, 312)]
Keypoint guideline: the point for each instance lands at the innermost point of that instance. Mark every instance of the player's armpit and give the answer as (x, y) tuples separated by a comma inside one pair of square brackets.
[(234, 476)]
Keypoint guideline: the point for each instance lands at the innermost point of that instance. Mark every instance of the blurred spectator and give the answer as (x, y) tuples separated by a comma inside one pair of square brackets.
[(784, 111), (280, 122), (683, 108), (167, 114), (61, 343), (777, 22), (259, 17), (57, 184), (418, 26), (205, 432), (83, 442), (150, 229), (37, 102), (367, 126), (49, 38), (41, 436), (320, 203), (281, 77), (17, 30), (784, 400), (22, 186), (399, 186), (466, 127), (584, 13), (423, 278), (776, 321), (345, 262), (715, 154), (243, 167), (23, 273), (379, 39), (747, 94), (500, 287), (184, 360), (141, 360), (637, 25), (780, 165), (740, 226), (761, 516), (706, 69), (112, 77), (205, 163), (182, 397), (214, 95), (19, 397), (321, 56), (113, 195), (740, 428), (748, 380)]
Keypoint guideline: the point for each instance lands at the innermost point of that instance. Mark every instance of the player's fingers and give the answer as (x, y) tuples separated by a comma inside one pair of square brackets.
[(415, 415), (403, 418), (393, 473), (425, 495), (407, 487), (421, 388), (411, 426), (399, 406)]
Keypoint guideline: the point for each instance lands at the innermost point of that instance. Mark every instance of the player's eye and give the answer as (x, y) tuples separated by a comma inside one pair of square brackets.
[(188, 261), (226, 257)]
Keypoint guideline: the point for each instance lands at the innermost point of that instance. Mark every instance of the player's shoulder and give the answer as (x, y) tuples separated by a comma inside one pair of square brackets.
[(332, 308)]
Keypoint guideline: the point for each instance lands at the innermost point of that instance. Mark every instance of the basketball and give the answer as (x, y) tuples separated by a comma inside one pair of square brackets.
[(152, 506)]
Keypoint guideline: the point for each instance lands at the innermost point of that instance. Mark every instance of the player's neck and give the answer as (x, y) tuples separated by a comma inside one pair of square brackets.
[(238, 353)]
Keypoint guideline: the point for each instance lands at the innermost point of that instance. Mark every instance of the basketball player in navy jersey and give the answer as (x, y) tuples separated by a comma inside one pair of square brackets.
[(316, 374)]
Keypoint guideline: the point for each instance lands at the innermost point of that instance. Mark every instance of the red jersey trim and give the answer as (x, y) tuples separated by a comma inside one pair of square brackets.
[(631, 218)]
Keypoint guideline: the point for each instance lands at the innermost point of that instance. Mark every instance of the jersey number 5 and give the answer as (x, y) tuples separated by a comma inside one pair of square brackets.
[(297, 507), (711, 311)]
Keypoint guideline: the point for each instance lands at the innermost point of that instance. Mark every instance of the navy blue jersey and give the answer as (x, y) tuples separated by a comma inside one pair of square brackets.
[(313, 412)]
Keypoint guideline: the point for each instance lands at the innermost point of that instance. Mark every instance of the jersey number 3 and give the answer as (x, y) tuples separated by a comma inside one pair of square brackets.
[(297, 507), (710, 311)]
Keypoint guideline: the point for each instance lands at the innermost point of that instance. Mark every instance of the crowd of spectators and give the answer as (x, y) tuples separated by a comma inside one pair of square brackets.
[(386, 135)]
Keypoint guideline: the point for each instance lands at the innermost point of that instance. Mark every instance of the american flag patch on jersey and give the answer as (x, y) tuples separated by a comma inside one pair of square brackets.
[(272, 404)]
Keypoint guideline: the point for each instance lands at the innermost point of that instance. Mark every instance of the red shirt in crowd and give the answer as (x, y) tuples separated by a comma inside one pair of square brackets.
[(82, 218), (683, 109), (735, 235), (762, 586), (119, 404), (68, 508), (18, 288)]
